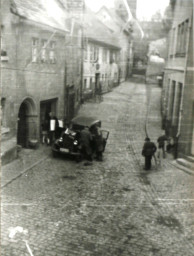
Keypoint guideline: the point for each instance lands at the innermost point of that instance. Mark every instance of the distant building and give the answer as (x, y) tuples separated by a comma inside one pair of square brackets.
[(152, 31), (157, 53), (178, 86), (101, 56), (122, 30)]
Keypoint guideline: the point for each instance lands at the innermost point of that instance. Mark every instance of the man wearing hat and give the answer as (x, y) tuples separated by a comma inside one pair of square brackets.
[(149, 148)]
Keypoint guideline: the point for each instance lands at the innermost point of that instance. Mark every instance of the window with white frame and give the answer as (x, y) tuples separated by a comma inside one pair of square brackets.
[(52, 53), (96, 53), (183, 29), (35, 42), (104, 55), (91, 52), (44, 51)]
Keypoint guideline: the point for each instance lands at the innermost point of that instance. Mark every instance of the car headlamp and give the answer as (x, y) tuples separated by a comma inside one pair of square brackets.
[(75, 142)]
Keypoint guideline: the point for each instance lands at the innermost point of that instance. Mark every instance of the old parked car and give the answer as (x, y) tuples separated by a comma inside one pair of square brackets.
[(69, 143)]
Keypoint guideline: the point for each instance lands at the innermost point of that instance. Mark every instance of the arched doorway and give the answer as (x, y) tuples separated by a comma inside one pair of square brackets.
[(27, 122)]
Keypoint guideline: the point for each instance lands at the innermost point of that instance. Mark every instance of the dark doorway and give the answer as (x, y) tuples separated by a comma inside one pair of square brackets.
[(22, 125), (27, 123), (46, 107), (97, 82)]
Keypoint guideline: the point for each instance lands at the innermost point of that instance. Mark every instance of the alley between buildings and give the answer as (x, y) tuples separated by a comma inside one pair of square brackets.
[(112, 207)]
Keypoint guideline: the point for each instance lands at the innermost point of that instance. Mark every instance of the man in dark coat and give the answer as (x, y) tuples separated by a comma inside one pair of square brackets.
[(148, 151), (85, 141), (98, 142)]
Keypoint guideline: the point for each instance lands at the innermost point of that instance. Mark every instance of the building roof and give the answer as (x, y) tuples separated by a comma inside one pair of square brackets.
[(46, 12), (114, 17), (95, 30)]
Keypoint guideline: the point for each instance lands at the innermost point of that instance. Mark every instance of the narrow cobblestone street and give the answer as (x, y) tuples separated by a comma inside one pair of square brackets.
[(110, 208)]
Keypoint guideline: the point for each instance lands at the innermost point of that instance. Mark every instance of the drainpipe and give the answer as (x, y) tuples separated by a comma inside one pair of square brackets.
[(181, 105)]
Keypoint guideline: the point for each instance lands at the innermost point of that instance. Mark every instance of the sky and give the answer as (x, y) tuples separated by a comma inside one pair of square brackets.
[(145, 8)]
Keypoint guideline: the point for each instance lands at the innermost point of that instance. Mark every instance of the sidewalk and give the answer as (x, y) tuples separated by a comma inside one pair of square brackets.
[(27, 158)]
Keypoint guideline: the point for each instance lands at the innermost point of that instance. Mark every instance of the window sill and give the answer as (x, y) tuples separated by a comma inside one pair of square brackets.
[(4, 58)]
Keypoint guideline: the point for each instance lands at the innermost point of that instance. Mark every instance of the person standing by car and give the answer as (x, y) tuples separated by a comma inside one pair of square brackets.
[(149, 148), (53, 127), (98, 142), (85, 142)]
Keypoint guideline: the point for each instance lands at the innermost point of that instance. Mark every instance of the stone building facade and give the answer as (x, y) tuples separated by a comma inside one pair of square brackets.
[(34, 66), (122, 30), (178, 86), (101, 54)]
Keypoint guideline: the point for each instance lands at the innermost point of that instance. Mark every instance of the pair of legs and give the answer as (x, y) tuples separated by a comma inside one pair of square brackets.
[(148, 160), (87, 153), (161, 152), (45, 138), (99, 155)]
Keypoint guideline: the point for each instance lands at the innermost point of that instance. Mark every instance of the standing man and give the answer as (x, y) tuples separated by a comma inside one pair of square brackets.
[(85, 141), (161, 146), (148, 151), (53, 127), (98, 142)]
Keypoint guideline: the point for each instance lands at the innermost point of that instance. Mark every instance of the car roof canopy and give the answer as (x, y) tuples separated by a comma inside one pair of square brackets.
[(85, 121)]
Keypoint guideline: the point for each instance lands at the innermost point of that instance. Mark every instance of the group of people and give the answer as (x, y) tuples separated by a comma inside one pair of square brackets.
[(91, 143), (149, 149)]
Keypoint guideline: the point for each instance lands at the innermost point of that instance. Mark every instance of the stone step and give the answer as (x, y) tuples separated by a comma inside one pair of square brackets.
[(186, 163), (8, 151), (183, 168), (190, 158)]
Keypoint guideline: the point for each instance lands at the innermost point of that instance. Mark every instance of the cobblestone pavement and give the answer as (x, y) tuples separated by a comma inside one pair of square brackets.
[(108, 208)]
